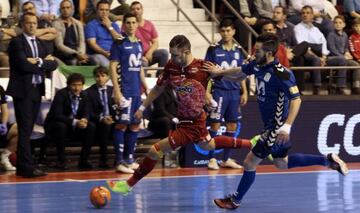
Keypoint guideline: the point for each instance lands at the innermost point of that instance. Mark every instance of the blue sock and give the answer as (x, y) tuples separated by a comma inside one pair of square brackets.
[(119, 146), (212, 133), (301, 160), (228, 151), (246, 181), (130, 142)]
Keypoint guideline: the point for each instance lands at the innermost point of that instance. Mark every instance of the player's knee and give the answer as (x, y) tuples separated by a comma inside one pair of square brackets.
[(155, 152), (121, 127), (281, 163), (249, 165), (207, 145)]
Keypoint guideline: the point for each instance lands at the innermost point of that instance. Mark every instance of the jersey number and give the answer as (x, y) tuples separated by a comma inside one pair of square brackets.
[(260, 87)]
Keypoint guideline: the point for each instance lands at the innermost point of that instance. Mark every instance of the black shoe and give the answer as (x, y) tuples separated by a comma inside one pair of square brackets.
[(33, 174), (227, 203), (85, 165), (337, 164), (61, 165)]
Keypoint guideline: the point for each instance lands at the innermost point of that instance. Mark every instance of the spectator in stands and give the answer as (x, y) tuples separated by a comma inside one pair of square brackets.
[(320, 19), (265, 8), (8, 134), (70, 42), (122, 9), (127, 76), (100, 110), (354, 45), (284, 28), (352, 7), (148, 36), (163, 116), (306, 31), (46, 10), (100, 33), (68, 117), (45, 31), (283, 54), (29, 62), (7, 32), (91, 11)]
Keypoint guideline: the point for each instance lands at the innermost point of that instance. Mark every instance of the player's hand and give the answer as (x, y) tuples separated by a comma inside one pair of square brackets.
[(282, 138), (138, 114), (244, 99), (50, 58), (107, 120), (124, 103), (32, 60), (211, 68)]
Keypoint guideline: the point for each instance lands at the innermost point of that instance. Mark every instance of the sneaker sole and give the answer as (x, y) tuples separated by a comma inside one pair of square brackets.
[(343, 167)]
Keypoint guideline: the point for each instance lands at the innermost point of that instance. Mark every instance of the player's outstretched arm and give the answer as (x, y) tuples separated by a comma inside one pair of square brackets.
[(216, 70), (154, 93)]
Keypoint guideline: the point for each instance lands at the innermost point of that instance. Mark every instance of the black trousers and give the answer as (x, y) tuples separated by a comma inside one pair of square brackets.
[(103, 135), (26, 111)]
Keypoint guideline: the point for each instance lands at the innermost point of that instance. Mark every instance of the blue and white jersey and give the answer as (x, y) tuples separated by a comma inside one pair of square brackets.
[(128, 54), (275, 86), (226, 59)]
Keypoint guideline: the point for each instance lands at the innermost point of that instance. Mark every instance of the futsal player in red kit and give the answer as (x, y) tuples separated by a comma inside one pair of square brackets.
[(183, 73)]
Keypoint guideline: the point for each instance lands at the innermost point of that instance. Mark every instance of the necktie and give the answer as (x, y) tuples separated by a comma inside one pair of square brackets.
[(104, 102), (36, 78), (74, 104)]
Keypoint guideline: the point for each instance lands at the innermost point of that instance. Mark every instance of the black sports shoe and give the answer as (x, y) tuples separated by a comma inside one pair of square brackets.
[(337, 164), (227, 203)]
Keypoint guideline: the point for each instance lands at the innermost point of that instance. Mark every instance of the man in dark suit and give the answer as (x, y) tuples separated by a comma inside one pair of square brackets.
[(29, 62), (100, 110), (69, 118)]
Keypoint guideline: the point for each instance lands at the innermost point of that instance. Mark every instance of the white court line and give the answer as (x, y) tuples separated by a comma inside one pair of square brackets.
[(172, 177)]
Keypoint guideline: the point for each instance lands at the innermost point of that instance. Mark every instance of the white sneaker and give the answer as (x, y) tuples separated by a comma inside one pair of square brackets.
[(124, 169), (5, 161), (133, 165), (230, 163), (213, 164)]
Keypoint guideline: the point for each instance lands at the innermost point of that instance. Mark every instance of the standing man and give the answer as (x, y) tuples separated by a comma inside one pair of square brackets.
[(229, 95), (127, 76), (279, 102), (29, 62), (148, 36)]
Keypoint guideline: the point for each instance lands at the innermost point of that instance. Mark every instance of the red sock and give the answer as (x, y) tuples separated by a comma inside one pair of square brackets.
[(222, 142), (145, 168)]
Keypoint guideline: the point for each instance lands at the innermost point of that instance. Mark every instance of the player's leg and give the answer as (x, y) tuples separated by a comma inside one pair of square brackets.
[(214, 126), (119, 144), (11, 140), (155, 153), (222, 142), (231, 128)]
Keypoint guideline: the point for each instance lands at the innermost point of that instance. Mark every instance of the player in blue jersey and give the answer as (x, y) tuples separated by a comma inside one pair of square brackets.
[(227, 94), (279, 101), (127, 76)]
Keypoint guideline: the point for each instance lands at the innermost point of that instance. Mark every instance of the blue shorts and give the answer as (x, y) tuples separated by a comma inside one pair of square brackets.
[(262, 149), (228, 106), (126, 115)]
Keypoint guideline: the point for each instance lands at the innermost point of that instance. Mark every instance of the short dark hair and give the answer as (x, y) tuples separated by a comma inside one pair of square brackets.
[(26, 3), (341, 17), (180, 42), (100, 70), (226, 22), (128, 15), (22, 18), (270, 42), (266, 22), (284, 10), (307, 7), (134, 3), (356, 21), (75, 77), (102, 2)]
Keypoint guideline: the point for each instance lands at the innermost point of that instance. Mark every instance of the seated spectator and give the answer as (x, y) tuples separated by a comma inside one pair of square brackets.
[(306, 31), (163, 115), (265, 8), (8, 134), (320, 20), (122, 9), (46, 10), (354, 46), (352, 8), (148, 36), (69, 118), (70, 42), (90, 12), (100, 110), (100, 33), (7, 32)]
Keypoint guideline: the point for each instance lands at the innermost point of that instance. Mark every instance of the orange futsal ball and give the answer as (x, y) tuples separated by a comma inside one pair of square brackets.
[(99, 196)]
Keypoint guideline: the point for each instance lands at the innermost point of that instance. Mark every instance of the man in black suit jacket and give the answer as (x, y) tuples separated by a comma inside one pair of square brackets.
[(29, 62), (101, 111), (69, 117)]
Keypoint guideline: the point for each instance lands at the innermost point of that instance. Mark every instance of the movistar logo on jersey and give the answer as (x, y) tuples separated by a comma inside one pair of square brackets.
[(135, 62)]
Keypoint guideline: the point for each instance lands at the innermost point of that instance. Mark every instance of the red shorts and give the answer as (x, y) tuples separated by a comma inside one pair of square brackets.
[(189, 132)]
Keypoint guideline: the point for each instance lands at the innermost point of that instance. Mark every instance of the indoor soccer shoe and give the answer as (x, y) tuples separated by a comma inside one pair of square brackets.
[(337, 164), (227, 203), (230, 163), (254, 141), (213, 165), (119, 187)]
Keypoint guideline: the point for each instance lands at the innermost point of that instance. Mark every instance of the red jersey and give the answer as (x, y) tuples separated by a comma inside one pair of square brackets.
[(192, 71), (354, 46), (190, 95)]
